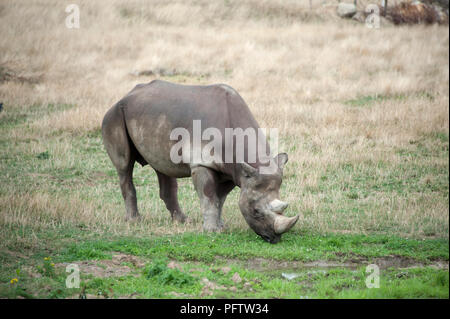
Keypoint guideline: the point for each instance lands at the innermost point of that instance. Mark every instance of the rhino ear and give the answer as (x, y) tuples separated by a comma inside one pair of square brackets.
[(248, 170), (281, 159)]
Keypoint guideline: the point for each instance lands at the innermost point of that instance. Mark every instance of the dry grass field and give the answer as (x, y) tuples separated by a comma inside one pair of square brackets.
[(363, 114)]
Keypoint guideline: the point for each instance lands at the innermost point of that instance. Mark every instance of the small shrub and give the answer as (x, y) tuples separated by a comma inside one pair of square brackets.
[(48, 268), (413, 13), (159, 271), (43, 155)]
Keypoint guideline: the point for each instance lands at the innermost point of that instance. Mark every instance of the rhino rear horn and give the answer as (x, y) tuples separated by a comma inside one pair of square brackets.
[(282, 223), (278, 206)]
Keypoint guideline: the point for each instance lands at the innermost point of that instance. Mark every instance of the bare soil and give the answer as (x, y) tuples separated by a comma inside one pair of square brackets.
[(115, 267), (262, 264)]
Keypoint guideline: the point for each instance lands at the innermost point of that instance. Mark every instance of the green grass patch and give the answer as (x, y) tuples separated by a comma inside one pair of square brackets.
[(67, 166), (159, 271), (245, 245)]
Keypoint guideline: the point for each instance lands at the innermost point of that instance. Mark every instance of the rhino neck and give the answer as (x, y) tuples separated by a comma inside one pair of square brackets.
[(234, 171), (258, 157)]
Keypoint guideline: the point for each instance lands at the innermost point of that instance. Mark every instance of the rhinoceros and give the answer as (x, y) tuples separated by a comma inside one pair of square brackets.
[(138, 128)]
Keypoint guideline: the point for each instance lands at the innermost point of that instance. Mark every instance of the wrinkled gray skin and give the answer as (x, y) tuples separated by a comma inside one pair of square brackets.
[(137, 129)]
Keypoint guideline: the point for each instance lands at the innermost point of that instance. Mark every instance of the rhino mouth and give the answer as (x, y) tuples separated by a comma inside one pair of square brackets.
[(271, 239), (259, 225)]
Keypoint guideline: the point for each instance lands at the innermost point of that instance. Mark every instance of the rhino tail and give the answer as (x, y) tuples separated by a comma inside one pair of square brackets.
[(117, 141)]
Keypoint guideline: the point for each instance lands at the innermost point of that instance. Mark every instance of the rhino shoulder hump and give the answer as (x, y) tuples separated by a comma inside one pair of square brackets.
[(144, 85), (227, 89)]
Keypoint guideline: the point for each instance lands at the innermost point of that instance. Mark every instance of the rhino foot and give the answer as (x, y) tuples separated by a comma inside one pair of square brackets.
[(222, 225), (214, 228), (133, 218), (180, 218)]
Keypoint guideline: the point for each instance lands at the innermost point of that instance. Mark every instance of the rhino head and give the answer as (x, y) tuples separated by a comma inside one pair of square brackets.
[(260, 204)]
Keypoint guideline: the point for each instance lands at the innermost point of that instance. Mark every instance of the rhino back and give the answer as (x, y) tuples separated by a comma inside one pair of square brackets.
[(151, 111)]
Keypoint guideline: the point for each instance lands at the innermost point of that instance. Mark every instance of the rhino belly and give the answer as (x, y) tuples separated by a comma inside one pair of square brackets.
[(152, 140)]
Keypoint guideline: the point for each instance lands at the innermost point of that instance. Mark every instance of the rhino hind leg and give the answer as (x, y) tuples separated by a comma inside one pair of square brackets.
[(212, 196), (129, 193), (123, 156), (168, 192)]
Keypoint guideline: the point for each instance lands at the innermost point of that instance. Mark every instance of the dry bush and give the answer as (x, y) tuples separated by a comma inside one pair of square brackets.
[(415, 13), (7, 74)]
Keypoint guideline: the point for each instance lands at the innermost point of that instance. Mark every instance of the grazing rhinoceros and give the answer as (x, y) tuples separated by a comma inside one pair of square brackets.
[(140, 126)]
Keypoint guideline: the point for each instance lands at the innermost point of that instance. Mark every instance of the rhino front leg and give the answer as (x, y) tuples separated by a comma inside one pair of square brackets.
[(223, 190), (168, 191), (206, 185)]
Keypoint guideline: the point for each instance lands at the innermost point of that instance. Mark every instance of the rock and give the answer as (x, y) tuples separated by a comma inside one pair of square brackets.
[(359, 16), (206, 292), (346, 10), (236, 278), (289, 276), (207, 284)]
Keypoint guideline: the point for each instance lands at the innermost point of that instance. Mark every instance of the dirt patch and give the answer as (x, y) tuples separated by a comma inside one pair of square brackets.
[(94, 177), (115, 267), (262, 264), (179, 294), (174, 265), (236, 278), (14, 254), (101, 269), (125, 258), (407, 262), (209, 287), (31, 271)]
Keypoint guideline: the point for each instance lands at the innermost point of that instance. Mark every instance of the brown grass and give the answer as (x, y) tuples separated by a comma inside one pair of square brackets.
[(296, 68)]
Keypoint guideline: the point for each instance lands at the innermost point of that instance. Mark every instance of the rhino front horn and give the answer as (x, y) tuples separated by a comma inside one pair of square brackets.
[(282, 223)]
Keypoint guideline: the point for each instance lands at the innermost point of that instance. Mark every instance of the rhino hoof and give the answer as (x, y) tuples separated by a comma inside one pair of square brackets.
[(222, 226), (180, 218), (214, 228)]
